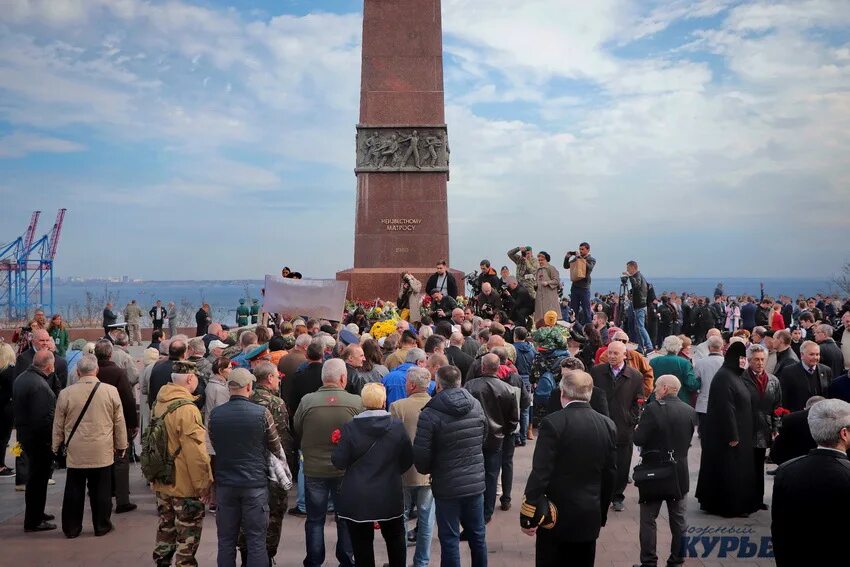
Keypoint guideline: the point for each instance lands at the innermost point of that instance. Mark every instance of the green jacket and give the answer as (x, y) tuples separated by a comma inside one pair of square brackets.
[(318, 415), (682, 369), (60, 337)]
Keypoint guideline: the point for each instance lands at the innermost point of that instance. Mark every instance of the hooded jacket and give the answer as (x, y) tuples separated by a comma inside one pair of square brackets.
[(449, 444), (185, 429), (374, 450)]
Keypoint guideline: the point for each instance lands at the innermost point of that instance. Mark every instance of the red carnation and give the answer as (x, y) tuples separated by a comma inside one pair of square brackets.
[(780, 411), (336, 436)]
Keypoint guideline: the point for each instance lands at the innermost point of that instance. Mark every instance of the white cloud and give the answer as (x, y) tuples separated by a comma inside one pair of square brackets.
[(20, 144)]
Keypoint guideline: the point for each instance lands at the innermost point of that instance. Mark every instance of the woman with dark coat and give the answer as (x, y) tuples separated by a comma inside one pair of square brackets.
[(766, 398), (726, 486), (374, 450)]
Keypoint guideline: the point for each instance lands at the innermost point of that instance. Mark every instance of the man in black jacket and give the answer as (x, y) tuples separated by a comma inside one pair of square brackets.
[(667, 424), (441, 306), (449, 444), (785, 355), (110, 373), (638, 297), (523, 303), (794, 439), (41, 340), (158, 313), (574, 468), (109, 318), (500, 407), (34, 403), (800, 382), (456, 356), (813, 488), (830, 353), (623, 386), (443, 280), (161, 372)]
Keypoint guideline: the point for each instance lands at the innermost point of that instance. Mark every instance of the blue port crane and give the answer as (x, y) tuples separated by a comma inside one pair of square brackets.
[(26, 270)]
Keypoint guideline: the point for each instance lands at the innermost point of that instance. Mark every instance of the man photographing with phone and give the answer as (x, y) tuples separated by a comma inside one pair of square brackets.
[(580, 290)]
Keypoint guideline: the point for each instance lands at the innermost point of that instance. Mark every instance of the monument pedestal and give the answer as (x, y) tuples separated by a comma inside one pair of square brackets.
[(368, 284), (402, 150)]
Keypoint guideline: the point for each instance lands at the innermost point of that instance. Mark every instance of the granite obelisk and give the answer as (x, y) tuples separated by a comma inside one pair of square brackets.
[(402, 149)]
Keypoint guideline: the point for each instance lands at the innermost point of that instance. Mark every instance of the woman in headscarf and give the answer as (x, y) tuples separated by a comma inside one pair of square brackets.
[(726, 485), (547, 283)]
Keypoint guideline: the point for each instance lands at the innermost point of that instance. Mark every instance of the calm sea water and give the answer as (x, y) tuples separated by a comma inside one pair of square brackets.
[(224, 296)]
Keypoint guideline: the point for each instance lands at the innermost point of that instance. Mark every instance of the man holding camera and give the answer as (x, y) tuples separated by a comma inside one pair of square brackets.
[(526, 267), (638, 298), (443, 280), (441, 306), (580, 290)]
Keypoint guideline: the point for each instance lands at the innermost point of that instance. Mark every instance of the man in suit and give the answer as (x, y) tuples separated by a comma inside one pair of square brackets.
[(455, 354), (830, 353), (794, 439), (800, 382), (785, 355), (109, 318), (158, 313), (574, 468), (814, 487), (41, 340), (667, 417), (623, 387)]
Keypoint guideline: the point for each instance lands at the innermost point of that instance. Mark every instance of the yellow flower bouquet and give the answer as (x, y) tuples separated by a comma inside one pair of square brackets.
[(17, 450), (383, 328)]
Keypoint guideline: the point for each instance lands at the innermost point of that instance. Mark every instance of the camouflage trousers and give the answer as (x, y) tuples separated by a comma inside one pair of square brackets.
[(179, 532), (278, 502)]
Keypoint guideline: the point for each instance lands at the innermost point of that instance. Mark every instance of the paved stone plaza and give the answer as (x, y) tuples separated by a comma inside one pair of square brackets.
[(132, 541)]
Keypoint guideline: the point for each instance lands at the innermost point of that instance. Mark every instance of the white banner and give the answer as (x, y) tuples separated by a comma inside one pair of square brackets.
[(319, 299)]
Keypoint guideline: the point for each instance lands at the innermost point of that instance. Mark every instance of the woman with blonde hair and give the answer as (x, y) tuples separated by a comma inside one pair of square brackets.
[(7, 418), (374, 450)]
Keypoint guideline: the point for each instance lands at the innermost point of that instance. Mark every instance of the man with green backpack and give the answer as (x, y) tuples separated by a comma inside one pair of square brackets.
[(175, 459)]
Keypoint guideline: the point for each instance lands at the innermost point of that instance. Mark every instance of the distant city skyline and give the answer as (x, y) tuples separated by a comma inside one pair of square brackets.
[(198, 140)]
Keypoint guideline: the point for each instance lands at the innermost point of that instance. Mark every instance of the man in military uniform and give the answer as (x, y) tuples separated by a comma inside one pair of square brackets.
[(181, 505), (526, 267), (132, 315), (265, 394), (255, 311), (242, 314)]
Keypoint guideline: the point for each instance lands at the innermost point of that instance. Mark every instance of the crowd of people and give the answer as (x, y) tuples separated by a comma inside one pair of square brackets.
[(416, 430)]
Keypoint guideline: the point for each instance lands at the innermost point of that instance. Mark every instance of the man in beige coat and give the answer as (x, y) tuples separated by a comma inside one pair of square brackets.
[(417, 487), (92, 448)]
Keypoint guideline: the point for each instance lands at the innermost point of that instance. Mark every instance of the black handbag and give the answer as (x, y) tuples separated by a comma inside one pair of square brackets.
[(656, 476), (61, 456)]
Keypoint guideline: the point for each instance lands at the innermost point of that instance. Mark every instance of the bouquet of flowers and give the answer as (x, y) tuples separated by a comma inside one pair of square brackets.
[(17, 450), (383, 328), (461, 301)]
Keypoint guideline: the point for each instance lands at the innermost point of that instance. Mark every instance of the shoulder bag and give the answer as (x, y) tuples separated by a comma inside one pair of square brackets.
[(656, 476), (62, 454)]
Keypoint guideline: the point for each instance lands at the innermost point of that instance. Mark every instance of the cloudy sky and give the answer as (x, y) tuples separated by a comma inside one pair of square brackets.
[(205, 139)]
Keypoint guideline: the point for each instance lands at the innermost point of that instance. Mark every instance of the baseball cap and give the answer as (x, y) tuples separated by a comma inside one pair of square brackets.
[(239, 378), (217, 344)]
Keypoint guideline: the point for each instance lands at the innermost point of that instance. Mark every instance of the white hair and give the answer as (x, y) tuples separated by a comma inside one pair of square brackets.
[(754, 348), (303, 341), (715, 342), (87, 366), (672, 344), (333, 370), (419, 377), (826, 420), (414, 355)]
